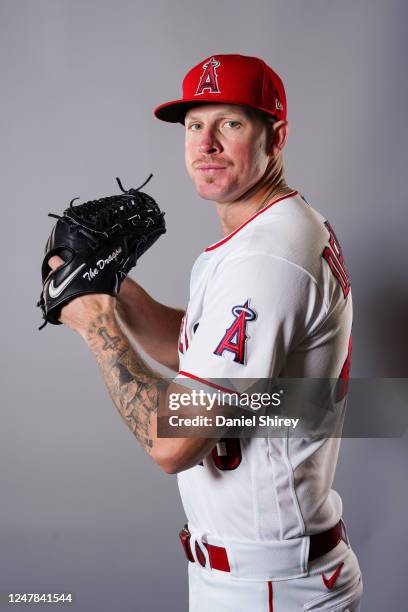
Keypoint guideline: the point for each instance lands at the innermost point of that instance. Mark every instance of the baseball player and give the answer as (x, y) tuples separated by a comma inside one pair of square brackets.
[(270, 299)]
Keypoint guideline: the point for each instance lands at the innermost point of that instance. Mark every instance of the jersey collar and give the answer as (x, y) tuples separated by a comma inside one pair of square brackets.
[(257, 214)]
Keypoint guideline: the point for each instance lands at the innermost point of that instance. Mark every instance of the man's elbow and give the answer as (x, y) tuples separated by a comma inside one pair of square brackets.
[(172, 461), (170, 467)]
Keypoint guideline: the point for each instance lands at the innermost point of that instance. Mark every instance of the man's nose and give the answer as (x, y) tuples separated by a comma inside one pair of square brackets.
[(209, 143)]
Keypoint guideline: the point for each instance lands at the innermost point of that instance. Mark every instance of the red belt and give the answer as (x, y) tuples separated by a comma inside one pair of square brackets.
[(320, 544)]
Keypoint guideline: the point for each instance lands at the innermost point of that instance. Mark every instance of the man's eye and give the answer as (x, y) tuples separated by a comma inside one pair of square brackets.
[(194, 127), (232, 124)]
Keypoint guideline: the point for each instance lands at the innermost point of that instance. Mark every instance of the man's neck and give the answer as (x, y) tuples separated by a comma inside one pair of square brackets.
[(233, 214)]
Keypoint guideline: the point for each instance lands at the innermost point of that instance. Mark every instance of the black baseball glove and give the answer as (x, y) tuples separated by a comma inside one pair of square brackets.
[(100, 241)]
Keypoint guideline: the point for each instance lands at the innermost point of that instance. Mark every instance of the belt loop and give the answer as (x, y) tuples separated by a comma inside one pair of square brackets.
[(184, 536), (305, 554), (345, 533), (198, 546)]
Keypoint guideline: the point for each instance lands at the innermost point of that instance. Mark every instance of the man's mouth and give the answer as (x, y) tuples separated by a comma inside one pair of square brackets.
[(209, 167)]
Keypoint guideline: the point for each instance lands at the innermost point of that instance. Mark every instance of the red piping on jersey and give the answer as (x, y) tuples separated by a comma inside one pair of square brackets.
[(203, 380), (224, 240), (270, 596)]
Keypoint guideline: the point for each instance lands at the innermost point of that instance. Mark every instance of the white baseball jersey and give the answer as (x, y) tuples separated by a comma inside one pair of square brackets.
[(271, 299)]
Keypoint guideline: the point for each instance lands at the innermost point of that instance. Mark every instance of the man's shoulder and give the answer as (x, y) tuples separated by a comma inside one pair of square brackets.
[(291, 230)]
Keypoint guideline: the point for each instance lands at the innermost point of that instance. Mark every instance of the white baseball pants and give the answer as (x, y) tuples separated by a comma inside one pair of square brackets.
[(333, 584)]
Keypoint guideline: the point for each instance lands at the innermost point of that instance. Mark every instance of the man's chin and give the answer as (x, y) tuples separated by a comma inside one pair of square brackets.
[(211, 191)]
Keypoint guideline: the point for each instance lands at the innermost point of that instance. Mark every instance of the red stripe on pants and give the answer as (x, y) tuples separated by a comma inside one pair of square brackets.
[(270, 596)]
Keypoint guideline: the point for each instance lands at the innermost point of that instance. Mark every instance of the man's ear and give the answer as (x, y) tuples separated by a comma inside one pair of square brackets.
[(279, 134)]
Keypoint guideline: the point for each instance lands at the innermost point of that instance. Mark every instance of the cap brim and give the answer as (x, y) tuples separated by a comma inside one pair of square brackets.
[(175, 111)]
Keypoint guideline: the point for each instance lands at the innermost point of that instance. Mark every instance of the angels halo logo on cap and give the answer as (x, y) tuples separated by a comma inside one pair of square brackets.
[(209, 78), (228, 79)]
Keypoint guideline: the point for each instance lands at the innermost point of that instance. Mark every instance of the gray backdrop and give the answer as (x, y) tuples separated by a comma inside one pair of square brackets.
[(82, 507)]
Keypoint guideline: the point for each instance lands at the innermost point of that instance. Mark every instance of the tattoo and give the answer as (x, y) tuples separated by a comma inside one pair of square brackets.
[(134, 388), (110, 341)]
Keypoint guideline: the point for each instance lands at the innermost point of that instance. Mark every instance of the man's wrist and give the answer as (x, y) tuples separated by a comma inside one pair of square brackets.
[(95, 326)]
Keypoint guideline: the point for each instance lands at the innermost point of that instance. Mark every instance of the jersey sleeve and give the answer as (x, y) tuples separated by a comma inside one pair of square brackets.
[(256, 309)]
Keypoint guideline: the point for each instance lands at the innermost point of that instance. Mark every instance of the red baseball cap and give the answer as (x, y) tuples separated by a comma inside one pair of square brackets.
[(228, 79)]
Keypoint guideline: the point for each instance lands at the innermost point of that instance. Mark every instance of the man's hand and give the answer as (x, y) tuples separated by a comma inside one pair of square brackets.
[(105, 239), (80, 312)]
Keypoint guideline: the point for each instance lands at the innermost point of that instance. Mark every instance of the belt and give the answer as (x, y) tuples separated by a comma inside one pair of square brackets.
[(320, 544)]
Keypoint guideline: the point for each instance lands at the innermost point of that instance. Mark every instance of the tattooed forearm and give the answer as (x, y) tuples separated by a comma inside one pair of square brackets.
[(134, 388), (110, 342)]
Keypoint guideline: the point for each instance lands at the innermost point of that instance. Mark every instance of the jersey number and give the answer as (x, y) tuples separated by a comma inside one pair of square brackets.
[(227, 454), (334, 257)]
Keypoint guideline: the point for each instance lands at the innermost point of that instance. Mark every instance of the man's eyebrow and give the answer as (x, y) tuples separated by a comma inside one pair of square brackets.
[(221, 115)]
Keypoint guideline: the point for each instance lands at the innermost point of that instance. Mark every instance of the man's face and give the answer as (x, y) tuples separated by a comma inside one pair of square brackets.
[(226, 150)]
